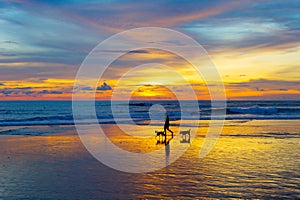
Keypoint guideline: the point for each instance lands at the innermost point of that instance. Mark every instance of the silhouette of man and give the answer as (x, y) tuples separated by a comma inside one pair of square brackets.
[(167, 124)]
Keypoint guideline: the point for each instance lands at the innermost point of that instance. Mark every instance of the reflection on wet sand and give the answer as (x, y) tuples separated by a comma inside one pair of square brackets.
[(185, 136), (242, 166)]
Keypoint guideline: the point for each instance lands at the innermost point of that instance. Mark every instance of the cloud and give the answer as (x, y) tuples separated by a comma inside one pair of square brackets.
[(23, 88), (258, 89), (145, 56), (283, 89), (86, 88), (139, 51), (2, 84), (244, 32), (7, 55), (6, 92), (50, 92), (9, 42), (104, 86), (293, 72), (27, 91), (42, 71), (262, 85)]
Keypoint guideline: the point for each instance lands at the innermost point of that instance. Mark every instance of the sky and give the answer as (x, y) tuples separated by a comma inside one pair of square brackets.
[(254, 45)]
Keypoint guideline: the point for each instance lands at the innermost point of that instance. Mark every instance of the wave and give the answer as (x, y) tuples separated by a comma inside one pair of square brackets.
[(276, 135), (253, 110), (46, 118), (140, 104), (40, 120)]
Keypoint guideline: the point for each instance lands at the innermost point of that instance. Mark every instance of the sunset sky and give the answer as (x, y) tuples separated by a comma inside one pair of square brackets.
[(255, 45)]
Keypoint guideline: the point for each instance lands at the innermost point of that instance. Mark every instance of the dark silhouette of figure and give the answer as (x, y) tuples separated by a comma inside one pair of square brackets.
[(167, 125)]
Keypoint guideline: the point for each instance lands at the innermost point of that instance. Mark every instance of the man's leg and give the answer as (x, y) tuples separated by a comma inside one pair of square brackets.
[(170, 131)]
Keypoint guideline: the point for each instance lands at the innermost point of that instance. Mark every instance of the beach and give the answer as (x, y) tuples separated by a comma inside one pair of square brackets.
[(149, 100), (252, 159)]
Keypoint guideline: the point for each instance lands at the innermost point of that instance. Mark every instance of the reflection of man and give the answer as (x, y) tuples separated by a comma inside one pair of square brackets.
[(167, 124)]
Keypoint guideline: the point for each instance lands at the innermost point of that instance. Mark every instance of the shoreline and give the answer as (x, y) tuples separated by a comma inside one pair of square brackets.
[(143, 122), (275, 126)]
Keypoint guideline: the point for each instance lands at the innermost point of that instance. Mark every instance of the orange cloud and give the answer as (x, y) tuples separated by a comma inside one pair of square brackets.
[(201, 14)]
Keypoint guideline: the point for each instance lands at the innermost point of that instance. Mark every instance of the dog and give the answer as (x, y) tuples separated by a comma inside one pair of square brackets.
[(183, 133), (160, 133)]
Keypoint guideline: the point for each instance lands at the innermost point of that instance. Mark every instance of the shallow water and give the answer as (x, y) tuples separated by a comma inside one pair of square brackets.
[(245, 163)]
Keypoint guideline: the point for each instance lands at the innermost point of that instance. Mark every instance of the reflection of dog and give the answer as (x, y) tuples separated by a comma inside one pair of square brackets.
[(183, 133), (160, 133), (184, 137)]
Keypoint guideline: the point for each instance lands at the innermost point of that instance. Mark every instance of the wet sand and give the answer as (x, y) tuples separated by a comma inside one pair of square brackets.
[(253, 159)]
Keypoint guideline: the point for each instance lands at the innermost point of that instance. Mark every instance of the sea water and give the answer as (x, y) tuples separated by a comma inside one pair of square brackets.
[(25, 113)]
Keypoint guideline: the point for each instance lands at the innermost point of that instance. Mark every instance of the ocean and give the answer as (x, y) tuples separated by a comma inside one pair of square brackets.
[(33, 113)]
